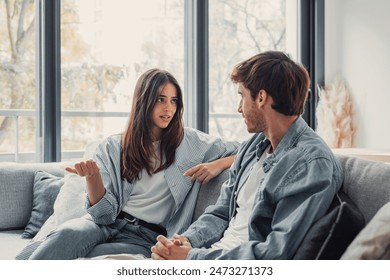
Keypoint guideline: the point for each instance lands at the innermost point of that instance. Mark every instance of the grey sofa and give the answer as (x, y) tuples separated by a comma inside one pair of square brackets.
[(367, 183)]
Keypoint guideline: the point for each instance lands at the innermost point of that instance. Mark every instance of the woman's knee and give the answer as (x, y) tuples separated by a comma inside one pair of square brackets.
[(70, 240), (76, 228)]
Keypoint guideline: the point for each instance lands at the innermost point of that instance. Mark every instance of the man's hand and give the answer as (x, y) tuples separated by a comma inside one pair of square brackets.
[(176, 249)]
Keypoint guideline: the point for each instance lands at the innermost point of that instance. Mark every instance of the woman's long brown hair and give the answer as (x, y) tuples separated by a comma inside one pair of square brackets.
[(137, 145)]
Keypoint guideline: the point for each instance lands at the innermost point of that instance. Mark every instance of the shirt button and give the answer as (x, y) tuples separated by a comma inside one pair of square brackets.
[(173, 185)]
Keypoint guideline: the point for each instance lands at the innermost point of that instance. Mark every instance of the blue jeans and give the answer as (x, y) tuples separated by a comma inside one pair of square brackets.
[(82, 238)]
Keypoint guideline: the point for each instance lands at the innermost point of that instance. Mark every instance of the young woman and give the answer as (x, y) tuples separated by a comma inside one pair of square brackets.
[(141, 183)]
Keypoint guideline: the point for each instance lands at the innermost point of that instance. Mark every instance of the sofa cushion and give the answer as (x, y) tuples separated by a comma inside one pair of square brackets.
[(70, 202), (45, 190), (329, 236), (10, 245), (373, 242)]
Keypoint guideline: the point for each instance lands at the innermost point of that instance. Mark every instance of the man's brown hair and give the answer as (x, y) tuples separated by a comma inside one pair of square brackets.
[(275, 72)]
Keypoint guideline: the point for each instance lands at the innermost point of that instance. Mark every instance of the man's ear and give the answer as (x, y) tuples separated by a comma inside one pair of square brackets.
[(262, 97)]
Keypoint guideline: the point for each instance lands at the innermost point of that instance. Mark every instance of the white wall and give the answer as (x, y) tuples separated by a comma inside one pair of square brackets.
[(357, 49)]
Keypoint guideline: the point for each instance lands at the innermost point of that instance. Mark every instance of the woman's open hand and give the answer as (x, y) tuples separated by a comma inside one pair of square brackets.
[(86, 169), (90, 170)]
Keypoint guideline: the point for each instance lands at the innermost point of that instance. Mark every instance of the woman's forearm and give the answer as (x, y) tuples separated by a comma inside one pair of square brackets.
[(95, 188)]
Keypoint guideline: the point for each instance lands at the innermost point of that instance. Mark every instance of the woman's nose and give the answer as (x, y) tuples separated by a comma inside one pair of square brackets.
[(168, 107)]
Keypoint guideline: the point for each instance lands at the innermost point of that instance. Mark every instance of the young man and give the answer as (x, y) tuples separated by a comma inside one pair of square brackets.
[(282, 181)]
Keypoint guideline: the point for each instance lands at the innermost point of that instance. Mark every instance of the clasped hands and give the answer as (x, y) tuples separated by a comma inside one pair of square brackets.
[(175, 249)]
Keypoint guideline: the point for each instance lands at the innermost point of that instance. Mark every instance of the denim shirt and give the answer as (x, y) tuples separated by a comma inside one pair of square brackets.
[(301, 178), (195, 148)]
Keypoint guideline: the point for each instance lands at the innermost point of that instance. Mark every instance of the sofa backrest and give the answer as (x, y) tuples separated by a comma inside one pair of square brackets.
[(16, 181), (367, 183), (208, 193)]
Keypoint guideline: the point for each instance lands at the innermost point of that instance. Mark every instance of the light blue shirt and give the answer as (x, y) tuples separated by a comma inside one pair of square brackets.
[(301, 178), (195, 148)]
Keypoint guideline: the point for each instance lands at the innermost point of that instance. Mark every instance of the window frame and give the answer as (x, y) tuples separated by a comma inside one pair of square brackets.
[(48, 85), (311, 51), (196, 64)]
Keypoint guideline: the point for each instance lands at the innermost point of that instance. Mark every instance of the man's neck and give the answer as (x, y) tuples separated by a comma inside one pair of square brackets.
[(277, 128)]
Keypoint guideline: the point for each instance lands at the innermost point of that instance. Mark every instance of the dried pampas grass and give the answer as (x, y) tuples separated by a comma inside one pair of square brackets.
[(335, 120)]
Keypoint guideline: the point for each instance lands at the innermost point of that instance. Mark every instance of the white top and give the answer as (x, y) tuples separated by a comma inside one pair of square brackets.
[(237, 232), (151, 200)]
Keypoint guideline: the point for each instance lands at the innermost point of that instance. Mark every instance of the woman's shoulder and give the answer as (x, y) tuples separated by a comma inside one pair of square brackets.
[(115, 138), (194, 139), (192, 133), (112, 142)]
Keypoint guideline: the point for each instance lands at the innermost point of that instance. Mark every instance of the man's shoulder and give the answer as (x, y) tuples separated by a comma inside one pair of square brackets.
[(302, 140), (313, 146), (312, 152)]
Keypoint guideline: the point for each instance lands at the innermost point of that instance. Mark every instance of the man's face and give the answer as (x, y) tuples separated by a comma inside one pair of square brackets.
[(250, 110)]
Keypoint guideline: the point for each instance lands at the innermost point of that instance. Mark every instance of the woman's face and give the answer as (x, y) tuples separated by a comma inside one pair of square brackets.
[(164, 109)]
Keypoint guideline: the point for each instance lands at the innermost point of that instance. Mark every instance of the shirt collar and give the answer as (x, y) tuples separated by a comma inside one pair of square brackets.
[(288, 141)]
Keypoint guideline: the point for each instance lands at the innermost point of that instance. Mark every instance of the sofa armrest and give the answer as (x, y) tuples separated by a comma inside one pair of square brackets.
[(16, 191)]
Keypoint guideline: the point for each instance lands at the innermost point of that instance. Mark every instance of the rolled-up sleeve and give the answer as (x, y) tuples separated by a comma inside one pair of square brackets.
[(107, 157)]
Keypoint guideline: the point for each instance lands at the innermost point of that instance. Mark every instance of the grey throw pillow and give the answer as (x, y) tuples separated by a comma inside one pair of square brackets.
[(45, 191), (329, 237)]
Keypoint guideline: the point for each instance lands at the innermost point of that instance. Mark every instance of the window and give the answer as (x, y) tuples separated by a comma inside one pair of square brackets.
[(104, 48), (238, 30), (17, 80)]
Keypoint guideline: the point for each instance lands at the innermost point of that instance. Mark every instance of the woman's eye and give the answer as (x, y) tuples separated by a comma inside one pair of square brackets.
[(174, 101), (160, 99)]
